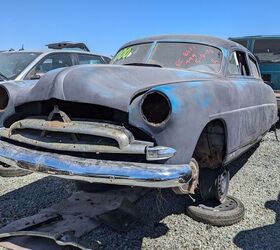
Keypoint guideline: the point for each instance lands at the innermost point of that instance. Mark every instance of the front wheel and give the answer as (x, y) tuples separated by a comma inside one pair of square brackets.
[(226, 214), (214, 184)]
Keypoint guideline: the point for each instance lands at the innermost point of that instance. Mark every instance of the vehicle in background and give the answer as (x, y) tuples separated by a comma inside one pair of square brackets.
[(267, 51), (31, 64)]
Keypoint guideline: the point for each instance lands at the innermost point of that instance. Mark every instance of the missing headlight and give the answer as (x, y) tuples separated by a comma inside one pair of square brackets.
[(155, 108), (4, 98)]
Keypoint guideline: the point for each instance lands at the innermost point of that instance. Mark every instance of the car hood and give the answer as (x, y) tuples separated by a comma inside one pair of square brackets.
[(106, 85)]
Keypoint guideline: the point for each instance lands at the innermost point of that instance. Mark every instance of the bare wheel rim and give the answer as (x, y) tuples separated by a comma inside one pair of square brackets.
[(227, 205), (222, 186)]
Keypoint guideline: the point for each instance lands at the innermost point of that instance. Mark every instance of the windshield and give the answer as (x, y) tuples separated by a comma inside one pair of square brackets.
[(12, 64), (132, 54), (267, 50), (197, 57)]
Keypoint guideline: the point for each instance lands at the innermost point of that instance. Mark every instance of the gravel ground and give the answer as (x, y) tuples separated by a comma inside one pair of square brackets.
[(164, 224)]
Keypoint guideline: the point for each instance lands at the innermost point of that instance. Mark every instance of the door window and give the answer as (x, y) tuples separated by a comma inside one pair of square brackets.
[(89, 59), (50, 62), (238, 64)]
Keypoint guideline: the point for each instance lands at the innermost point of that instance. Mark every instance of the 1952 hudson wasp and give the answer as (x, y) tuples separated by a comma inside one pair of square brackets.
[(169, 112)]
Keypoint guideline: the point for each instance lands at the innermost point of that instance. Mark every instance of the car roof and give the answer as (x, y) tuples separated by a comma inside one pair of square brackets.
[(255, 37), (213, 41), (49, 51)]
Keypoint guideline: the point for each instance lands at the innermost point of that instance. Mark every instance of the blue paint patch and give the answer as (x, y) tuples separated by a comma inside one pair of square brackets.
[(225, 52), (183, 73), (169, 92), (201, 100), (189, 74), (201, 97), (240, 84), (194, 84)]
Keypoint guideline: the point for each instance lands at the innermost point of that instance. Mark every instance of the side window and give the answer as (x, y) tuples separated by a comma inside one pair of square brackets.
[(89, 59), (238, 64), (254, 67), (50, 62)]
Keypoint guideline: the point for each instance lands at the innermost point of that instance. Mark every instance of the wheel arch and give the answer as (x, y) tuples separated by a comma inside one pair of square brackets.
[(211, 147)]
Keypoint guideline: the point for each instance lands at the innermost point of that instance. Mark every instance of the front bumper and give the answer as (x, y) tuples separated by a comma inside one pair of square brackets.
[(96, 171)]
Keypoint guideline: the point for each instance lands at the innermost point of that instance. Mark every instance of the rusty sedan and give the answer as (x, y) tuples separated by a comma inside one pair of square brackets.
[(169, 112)]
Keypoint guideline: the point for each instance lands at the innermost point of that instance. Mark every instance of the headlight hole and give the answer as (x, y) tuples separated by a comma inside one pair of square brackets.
[(156, 108)]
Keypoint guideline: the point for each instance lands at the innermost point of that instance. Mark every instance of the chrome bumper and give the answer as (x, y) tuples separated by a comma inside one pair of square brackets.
[(96, 171)]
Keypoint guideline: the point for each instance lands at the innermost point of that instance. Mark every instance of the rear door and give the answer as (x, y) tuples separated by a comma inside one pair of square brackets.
[(266, 107)]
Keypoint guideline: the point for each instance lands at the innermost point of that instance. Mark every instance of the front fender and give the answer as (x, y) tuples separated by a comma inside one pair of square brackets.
[(190, 104)]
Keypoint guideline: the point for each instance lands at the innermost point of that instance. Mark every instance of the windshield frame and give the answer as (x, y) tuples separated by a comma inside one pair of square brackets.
[(29, 62), (154, 44)]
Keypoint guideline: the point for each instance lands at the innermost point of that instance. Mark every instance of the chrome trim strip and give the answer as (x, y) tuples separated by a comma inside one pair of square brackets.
[(99, 171)]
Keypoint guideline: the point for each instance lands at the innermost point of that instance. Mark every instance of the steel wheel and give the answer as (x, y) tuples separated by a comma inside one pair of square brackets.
[(214, 184), (226, 214)]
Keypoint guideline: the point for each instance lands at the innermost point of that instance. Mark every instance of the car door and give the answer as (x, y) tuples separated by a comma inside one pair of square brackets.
[(248, 115), (50, 62), (267, 105)]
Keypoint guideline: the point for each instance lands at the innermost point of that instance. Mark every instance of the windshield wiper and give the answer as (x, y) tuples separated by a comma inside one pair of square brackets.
[(144, 64), (4, 77)]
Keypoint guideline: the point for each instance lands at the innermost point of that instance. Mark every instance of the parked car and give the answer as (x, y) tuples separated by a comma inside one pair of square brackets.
[(169, 112), (267, 50), (31, 65)]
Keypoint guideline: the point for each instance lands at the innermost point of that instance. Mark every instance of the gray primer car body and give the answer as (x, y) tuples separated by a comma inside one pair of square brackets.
[(244, 104)]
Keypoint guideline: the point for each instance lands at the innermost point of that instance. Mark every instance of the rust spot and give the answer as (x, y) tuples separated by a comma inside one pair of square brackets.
[(56, 124)]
